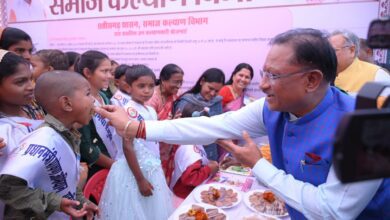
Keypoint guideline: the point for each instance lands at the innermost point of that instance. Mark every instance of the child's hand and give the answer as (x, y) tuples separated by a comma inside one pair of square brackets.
[(68, 206), (177, 115), (2, 145), (214, 166), (248, 155), (229, 161), (91, 210), (145, 187)]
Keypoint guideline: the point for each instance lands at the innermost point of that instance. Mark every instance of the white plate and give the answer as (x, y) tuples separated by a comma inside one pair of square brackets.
[(248, 204), (199, 189), (259, 216), (184, 208)]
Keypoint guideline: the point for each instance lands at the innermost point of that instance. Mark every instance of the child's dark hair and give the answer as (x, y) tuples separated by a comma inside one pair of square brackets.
[(167, 71), (113, 62), (192, 110), (136, 71), (90, 60), (210, 75), (9, 64), (54, 58), (72, 56), (11, 36), (120, 70), (237, 69)]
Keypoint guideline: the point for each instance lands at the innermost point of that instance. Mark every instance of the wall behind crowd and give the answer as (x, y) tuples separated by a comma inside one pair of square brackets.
[(3, 14), (195, 34)]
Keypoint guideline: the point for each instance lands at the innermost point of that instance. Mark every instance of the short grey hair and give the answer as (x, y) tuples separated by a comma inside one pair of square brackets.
[(350, 39)]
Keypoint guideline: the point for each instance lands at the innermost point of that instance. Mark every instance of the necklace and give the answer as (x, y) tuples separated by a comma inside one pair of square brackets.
[(235, 94), (163, 98)]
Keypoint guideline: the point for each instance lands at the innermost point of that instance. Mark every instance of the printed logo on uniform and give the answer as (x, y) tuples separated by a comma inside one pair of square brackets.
[(118, 96), (132, 112)]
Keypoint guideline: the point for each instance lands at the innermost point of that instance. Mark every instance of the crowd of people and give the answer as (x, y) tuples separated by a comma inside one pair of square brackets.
[(60, 111)]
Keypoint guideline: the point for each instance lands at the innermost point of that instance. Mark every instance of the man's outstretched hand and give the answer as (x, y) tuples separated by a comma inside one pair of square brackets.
[(248, 154), (118, 118)]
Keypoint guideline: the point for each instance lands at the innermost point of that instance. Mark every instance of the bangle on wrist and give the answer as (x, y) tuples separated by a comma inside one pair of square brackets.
[(141, 132), (127, 126)]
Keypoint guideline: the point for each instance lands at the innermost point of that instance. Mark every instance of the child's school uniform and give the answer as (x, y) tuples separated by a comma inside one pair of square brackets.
[(107, 92), (107, 134), (121, 198), (120, 98), (13, 129), (42, 170), (191, 169)]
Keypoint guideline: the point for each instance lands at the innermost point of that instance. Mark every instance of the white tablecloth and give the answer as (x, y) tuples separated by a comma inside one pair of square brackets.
[(235, 213)]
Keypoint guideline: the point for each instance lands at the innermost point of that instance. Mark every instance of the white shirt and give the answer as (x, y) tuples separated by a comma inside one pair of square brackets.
[(382, 76), (185, 156), (47, 162), (13, 129), (29, 12), (330, 200)]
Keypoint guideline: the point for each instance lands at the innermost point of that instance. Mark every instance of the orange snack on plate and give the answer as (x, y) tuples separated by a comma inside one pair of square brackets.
[(269, 196), (266, 152)]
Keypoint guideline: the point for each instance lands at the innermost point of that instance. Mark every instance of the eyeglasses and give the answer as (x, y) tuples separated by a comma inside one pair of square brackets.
[(340, 48), (273, 76)]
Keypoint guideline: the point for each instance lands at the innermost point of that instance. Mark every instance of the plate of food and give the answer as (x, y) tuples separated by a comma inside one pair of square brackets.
[(258, 216), (240, 170), (218, 195), (266, 203), (198, 211)]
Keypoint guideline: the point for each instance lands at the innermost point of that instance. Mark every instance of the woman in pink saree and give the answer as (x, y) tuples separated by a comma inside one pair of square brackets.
[(233, 92), (165, 93)]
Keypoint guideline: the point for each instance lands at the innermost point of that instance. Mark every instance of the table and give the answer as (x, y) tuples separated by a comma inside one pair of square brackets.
[(234, 213)]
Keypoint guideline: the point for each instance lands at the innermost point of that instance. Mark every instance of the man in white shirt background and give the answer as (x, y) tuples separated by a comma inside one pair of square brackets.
[(26, 10)]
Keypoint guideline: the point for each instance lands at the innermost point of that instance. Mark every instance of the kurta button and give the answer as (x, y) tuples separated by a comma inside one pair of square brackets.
[(285, 161), (290, 134)]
